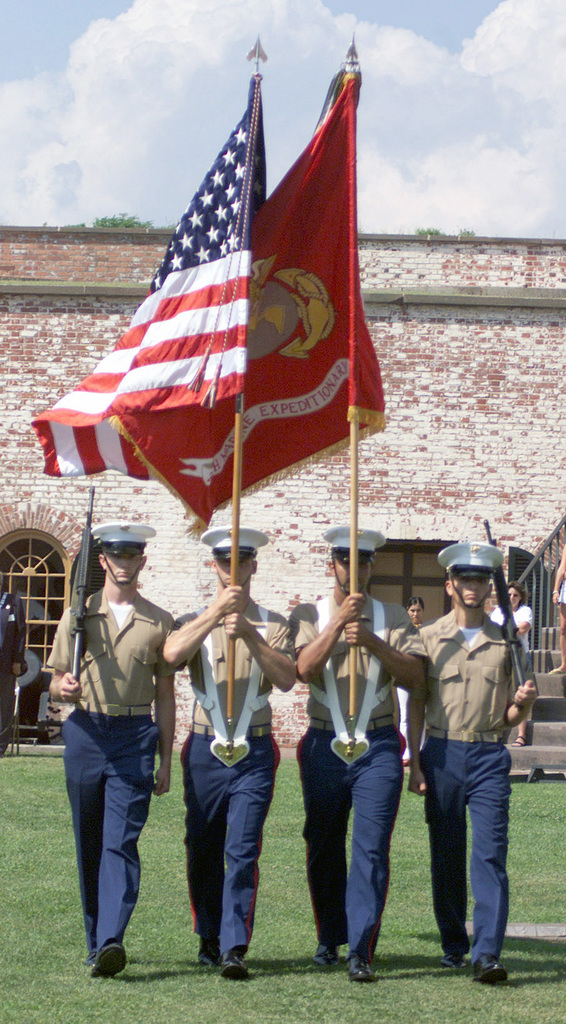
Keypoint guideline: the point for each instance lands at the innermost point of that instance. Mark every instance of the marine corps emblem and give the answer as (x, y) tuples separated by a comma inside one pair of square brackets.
[(290, 313)]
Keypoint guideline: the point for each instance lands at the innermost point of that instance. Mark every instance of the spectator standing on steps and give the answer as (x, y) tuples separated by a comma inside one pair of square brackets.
[(559, 598)]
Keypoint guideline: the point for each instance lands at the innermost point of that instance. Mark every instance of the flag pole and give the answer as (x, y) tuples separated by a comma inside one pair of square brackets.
[(257, 54), (354, 438), (234, 560), (351, 68)]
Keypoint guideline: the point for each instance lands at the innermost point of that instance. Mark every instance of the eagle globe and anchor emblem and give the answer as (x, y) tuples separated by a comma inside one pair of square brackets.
[(290, 313)]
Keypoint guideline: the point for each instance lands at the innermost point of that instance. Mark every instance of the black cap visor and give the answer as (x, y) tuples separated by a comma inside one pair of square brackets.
[(478, 572), (121, 548), (225, 554), (343, 555)]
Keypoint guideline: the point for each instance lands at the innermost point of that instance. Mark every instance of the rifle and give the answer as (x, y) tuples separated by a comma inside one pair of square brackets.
[(508, 628), (82, 579)]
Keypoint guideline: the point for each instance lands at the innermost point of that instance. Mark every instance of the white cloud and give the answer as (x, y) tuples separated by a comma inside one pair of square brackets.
[(470, 140), (522, 45)]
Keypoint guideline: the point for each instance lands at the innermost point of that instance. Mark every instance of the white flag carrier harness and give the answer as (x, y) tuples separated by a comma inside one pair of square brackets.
[(372, 697), (209, 699)]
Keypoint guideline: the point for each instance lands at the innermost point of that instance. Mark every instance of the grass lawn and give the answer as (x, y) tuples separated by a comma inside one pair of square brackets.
[(42, 942)]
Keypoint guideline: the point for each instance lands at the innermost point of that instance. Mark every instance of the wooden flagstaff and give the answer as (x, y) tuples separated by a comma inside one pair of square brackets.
[(257, 54), (234, 558), (353, 655), (352, 70)]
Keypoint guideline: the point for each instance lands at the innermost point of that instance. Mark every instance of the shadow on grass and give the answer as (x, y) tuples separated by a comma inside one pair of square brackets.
[(529, 961), (542, 961), (194, 970)]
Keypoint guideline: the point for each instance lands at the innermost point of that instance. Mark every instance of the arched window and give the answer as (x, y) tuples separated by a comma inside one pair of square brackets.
[(37, 567)]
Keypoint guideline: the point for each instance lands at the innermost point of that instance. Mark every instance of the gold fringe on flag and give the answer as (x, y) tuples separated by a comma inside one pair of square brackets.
[(373, 421)]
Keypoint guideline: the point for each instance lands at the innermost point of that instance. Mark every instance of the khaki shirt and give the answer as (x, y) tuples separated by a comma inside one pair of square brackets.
[(118, 665), (276, 634), (467, 689), (399, 633)]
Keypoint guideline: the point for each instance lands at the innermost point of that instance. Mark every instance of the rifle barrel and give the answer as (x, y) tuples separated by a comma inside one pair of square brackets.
[(81, 589)]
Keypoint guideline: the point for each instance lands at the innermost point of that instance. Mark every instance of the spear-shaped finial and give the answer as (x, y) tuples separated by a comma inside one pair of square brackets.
[(257, 53), (351, 63), (349, 66)]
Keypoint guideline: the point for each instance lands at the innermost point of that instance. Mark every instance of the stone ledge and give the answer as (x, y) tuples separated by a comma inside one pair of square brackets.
[(537, 298), (105, 289)]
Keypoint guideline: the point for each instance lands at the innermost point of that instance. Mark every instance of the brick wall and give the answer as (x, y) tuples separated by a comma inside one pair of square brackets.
[(81, 254), (410, 262), (470, 338)]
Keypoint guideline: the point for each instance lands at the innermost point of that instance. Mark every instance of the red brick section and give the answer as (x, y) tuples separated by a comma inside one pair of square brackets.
[(73, 254)]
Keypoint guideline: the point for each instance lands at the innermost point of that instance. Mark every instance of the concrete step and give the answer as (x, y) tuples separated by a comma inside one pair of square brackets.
[(545, 661), (542, 661), (549, 709), (550, 638), (550, 686), (547, 734), (524, 758)]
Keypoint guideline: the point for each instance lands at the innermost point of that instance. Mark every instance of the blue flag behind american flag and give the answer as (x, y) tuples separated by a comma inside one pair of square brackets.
[(186, 344)]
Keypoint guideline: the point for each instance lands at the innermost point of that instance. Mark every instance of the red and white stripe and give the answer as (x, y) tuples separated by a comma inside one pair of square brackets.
[(200, 310)]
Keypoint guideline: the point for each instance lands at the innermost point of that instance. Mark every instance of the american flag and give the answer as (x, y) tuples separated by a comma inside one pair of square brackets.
[(186, 343)]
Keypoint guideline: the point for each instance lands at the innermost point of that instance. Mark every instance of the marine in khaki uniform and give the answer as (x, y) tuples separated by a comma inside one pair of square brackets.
[(228, 788), (470, 699), (111, 738), (348, 904)]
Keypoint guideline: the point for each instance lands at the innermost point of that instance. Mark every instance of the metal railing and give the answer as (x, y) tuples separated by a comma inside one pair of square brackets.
[(539, 578)]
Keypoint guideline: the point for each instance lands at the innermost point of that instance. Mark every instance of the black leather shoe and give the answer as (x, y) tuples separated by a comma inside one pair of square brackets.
[(209, 953), (453, 960), (109, 960), (359, 969), (326, 956), (489, 970), (233, 966)]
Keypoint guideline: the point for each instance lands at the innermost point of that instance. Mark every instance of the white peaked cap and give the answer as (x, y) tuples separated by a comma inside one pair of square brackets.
[(124, 533), (220, 538), (471, 555), (368, 540)]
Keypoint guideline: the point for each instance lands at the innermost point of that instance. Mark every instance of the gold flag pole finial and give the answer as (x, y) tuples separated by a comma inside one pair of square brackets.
[(257, 53)]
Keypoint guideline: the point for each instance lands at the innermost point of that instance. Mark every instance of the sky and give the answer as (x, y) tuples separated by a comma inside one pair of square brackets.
[(120, 106)]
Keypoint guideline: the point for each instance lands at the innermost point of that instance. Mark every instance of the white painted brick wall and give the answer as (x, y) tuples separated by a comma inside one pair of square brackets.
[(474, 402)]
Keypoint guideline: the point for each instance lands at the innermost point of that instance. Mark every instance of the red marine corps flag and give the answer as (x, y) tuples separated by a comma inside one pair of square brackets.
[(309, 365), (312, 365)]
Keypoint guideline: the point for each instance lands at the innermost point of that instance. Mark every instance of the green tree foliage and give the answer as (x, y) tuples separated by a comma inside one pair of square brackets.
[(121, 220)]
